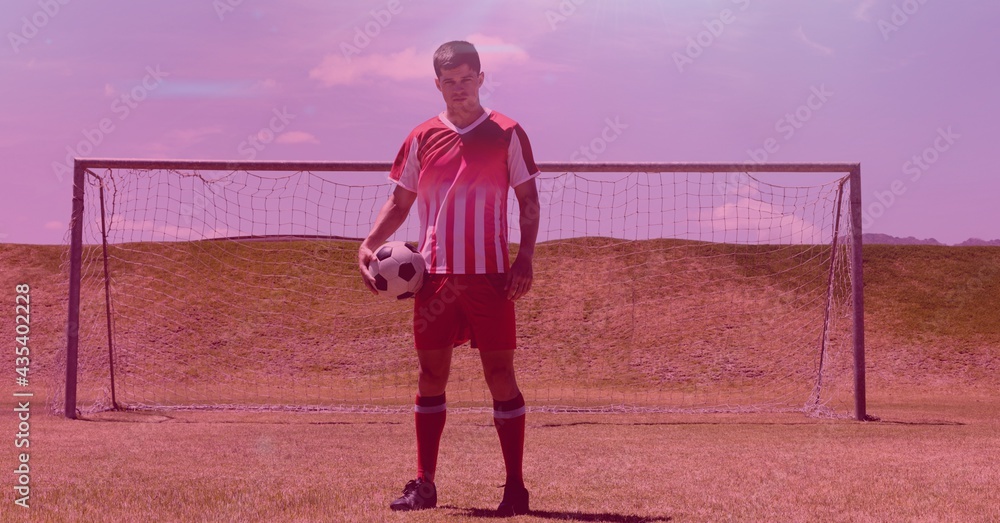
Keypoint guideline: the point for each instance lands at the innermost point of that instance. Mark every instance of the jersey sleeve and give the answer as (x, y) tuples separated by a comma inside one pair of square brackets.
[(406, 168), (520, 162)]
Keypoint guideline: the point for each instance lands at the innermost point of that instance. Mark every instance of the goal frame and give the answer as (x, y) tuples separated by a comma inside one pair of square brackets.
[(84, 166)]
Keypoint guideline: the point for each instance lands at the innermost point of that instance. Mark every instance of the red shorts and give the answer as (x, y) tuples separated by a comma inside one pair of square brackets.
[(451, 309)]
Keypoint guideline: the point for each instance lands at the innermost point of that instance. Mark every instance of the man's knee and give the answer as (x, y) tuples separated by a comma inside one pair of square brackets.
[(431, 384), (502, 382), (433, 375)]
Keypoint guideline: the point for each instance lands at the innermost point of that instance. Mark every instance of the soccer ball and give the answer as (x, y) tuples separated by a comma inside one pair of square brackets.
[(398, 270)]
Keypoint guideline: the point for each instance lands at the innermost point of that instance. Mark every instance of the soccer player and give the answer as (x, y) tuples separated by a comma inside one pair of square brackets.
[(457, 168)]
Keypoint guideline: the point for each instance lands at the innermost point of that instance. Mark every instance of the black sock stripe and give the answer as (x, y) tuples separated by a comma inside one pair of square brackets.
[(430, 401), (511, 404)]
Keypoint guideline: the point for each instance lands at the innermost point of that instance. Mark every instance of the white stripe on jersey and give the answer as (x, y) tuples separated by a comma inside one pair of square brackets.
[(517, 170), (430, 208), (480, 243), (458, 245), (411, 169), (498, 228), (441, 229)]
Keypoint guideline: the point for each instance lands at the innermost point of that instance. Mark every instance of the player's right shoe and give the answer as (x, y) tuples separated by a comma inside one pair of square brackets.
[(418, 494), (515, 501)]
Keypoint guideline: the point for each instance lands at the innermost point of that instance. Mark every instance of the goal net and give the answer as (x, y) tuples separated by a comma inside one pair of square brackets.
[(662, 287)]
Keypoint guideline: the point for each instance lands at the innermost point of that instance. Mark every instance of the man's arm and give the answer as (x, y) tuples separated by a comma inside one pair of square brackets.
[(392, 215), (520, 276)]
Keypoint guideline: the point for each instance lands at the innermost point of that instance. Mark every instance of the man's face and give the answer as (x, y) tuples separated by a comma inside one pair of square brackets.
[(460, 87)]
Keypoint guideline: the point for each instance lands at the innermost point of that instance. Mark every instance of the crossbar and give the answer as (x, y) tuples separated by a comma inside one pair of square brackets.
[(242, 165)]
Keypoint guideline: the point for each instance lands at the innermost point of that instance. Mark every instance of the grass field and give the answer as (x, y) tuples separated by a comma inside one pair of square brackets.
[(933, 355), (931, 458)]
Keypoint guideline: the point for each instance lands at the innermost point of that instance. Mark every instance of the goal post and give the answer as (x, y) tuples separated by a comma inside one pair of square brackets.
[(660, 287), (857, 295)]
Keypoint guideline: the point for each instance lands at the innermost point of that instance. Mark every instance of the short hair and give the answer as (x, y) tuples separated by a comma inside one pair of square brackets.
[(455, 53)]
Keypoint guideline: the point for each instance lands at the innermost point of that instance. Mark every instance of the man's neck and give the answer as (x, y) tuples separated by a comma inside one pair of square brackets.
[(461, 117)]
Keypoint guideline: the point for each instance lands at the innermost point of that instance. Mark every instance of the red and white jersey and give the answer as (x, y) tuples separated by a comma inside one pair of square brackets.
[(462, 177)]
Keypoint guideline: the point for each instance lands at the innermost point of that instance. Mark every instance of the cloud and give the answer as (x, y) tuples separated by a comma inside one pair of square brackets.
[(296, 137), (337, 69), (495, 53), (754, 221), (212, 88), (177, 233), (186, 137), (863, 10), (177, 139), (408, 64), (148, 230), (55, 225), (819, 48)]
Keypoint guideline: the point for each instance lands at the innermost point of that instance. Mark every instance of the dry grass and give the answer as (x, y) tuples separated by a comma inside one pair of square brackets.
[(930, 459), (933, 353), (686, 321), (926, 292)]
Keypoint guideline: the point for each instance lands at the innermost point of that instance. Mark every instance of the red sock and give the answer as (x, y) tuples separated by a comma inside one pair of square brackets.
[(428, 414), (508, 417)]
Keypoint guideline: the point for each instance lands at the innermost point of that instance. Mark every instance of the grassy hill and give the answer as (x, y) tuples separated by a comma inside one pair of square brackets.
[(932, 315)]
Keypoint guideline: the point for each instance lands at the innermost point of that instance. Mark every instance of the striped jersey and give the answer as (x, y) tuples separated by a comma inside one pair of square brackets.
[(462, 177)]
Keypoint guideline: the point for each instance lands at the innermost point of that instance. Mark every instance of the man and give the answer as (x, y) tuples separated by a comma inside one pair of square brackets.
[(458, 167)]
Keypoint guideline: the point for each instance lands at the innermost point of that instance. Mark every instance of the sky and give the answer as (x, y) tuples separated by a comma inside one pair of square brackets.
[(904, 87)]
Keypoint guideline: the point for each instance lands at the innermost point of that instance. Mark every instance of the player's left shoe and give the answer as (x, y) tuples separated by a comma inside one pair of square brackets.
[(515, 501)]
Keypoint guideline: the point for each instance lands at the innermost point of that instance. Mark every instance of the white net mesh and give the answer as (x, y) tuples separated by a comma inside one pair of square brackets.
[(675, 291)]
